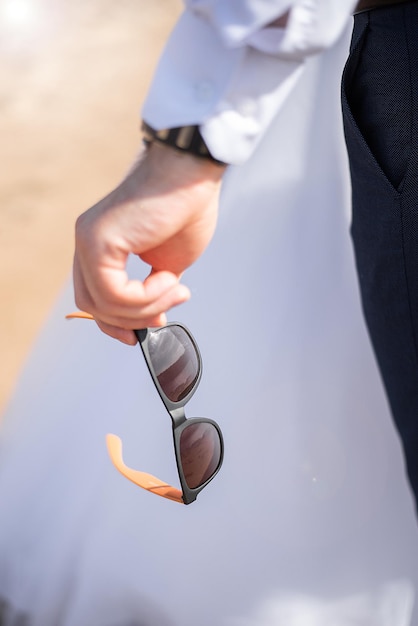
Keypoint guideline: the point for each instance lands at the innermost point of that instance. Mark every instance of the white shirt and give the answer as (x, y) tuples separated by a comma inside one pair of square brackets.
[(227, 71)]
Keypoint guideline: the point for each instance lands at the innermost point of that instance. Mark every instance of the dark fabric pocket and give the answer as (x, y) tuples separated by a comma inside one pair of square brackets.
[(377, 93)]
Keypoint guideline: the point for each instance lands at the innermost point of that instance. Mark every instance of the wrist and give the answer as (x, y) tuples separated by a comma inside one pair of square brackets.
[(184, 139), (182, 167)]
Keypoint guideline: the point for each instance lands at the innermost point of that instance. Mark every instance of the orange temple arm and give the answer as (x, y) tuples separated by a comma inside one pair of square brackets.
[(142, 479), (80, 315), (114, 447)]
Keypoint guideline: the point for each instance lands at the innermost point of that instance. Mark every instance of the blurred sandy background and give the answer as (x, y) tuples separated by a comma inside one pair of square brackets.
[(73, 76)]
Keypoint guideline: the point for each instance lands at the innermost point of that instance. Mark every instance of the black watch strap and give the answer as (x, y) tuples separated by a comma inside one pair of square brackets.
[(184, 138)]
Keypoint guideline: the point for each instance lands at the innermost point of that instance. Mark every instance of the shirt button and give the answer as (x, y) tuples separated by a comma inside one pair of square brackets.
[(204, 91)]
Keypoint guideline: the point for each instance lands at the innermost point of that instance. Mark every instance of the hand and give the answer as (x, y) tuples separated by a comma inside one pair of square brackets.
[(165, 212)]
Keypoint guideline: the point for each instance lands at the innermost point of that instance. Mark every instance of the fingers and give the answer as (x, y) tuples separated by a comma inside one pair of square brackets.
[(123, 335), (120, 305), (165, 213)]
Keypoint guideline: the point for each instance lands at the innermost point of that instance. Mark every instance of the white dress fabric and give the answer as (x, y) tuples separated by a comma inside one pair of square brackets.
[(310, 521)]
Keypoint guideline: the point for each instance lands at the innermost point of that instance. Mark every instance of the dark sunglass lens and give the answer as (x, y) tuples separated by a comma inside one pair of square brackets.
[(200, 453), (175, 361)]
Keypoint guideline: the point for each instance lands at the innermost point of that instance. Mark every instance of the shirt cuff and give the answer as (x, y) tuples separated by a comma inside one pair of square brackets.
[(233, 88), (231, 93)]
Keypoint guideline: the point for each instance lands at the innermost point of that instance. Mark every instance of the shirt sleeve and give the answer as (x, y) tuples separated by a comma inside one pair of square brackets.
[(225, 69)]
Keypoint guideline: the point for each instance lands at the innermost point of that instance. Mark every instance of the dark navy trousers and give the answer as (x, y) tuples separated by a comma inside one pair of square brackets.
[(380, 110)]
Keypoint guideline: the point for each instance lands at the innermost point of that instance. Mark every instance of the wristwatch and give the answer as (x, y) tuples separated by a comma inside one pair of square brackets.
[(183, 138)]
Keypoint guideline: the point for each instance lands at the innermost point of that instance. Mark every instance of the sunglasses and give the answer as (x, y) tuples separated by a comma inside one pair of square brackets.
[(174, 362)]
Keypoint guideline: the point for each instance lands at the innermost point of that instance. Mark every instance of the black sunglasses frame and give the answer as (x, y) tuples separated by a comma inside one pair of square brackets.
[(177, 412)]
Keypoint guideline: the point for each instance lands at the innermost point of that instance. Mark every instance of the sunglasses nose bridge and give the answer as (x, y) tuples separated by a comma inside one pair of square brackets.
[(178, 415)]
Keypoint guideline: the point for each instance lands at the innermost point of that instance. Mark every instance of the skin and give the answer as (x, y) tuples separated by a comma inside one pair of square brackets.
[(164, 211)]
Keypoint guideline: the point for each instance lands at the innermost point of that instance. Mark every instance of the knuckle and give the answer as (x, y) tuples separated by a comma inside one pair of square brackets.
[(83, 230), (83, 302), (80, 225)]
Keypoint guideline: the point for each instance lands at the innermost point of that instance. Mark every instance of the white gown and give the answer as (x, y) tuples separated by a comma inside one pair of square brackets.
[(310, 521)]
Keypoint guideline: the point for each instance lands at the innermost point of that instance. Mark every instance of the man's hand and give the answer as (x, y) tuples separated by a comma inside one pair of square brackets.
[(165, 212)]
